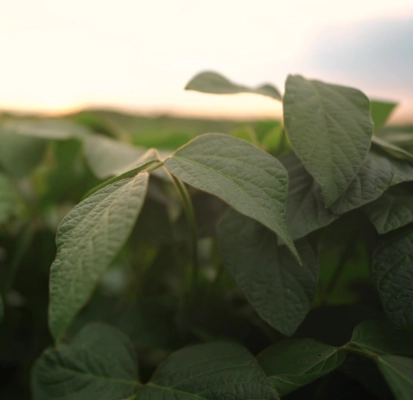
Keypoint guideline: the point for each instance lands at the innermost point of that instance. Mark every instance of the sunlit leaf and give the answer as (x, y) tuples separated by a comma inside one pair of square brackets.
[(330, 129), (88, 239), (211, 82), (380, 112), (108, 157)]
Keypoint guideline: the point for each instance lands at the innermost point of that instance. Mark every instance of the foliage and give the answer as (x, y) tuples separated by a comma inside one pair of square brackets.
[(271, 260)]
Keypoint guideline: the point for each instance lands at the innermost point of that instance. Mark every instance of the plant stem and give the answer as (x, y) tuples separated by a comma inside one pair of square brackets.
[(190, 216), (282, 142), (148, 167), (355, 349), (340, 267)]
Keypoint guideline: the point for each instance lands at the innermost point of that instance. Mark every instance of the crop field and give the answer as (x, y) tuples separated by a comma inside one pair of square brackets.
[(154, 258)]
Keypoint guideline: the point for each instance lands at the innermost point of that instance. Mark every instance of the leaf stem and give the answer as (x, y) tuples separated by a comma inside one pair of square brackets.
[(282, 142), (340, 267), (353, 348), (148, 167), (190, 216)]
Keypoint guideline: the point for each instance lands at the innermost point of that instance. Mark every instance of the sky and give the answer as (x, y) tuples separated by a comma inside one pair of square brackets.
[(60, 55)]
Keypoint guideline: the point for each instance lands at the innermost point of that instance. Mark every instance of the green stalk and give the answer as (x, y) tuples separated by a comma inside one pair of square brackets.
[(190, 216), (283, 141), (340, 267), (148, 167), (355, 349)]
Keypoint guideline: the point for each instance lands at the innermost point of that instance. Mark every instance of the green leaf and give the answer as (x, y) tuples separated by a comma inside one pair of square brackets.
[(19, 154), (99, 364), (250, 180), (400, 137), (398, 372), (144, 163), (291, 364), (88, 239), (58, 129), (330, 129), (392, 210), (211, 82), (212, 371), (393, 274), (107, 157), (278, 288), (8, 198), (392, 149), (382, 338), (377, 174), (380, 112), (306, 211)]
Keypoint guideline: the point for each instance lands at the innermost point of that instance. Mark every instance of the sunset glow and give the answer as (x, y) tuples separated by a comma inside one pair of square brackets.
[(60, 55)]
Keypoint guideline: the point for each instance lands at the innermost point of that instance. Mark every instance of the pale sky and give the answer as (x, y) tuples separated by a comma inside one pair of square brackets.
[(138, 55)]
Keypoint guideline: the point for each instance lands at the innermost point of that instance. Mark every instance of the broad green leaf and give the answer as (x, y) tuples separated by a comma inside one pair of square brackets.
[(330, 129), (248, 179), (393, 274), (392, 149), (392, 210), (88, 239), (306, 211), (107, 157), (279, 289), (398, 372), (19, 154), (365, 371), (377, 174), (382, 338), (8, 198), (211, 82), (212, 371), (380, 112), (291, 364), (99, 364)]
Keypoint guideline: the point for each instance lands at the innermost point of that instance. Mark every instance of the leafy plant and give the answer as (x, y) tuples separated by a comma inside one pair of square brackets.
[(272, 261)]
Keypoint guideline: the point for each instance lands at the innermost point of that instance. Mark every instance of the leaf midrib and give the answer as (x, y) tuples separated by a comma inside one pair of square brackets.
[(262, 211)]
